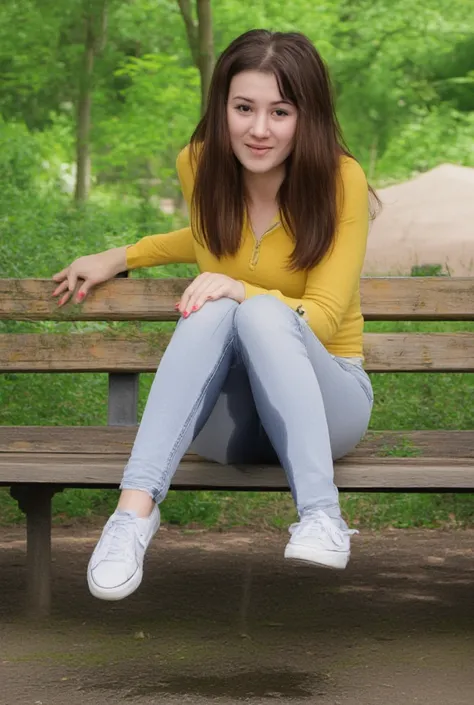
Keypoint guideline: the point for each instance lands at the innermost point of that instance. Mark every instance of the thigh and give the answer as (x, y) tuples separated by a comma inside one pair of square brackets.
[(233, 432), (346, 392)]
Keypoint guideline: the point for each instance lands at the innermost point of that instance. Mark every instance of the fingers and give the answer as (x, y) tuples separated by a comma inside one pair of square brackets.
[(186, 302), (62, 287), (83, 291), (64, 299), (211, 287), (59, 276), (82, 274), (68, 279), (213, 291), (72, 280)]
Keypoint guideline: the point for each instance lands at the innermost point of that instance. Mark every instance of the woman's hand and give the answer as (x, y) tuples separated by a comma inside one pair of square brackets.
[(209, 287), (92, 269)]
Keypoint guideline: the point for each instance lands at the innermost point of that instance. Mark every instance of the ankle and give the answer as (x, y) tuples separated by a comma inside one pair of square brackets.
[(136, 501), (333, 512)]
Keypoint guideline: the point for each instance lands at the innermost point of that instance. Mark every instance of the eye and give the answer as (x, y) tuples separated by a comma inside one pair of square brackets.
[(280, 113), (242, 108)]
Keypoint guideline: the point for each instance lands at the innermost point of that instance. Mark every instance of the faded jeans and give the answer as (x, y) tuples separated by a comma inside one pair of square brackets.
[(251, 383)]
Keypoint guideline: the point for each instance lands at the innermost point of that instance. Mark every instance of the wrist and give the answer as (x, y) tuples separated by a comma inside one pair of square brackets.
[(118, 260)]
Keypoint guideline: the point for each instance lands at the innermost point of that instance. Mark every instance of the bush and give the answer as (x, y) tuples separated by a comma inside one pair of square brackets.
[(20, 161), (428, 270), (43, 231)]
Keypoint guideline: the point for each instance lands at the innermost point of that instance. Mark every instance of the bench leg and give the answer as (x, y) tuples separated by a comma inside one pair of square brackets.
[(35, 501)]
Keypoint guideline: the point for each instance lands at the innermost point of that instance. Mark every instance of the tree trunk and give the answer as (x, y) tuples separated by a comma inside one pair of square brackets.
[(205, 48), (372, 159), (200, 40), (95, 20), (84, 115)]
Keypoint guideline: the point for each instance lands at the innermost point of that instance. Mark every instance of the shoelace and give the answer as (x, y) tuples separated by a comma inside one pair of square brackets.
[(119, 538), (317, 523)]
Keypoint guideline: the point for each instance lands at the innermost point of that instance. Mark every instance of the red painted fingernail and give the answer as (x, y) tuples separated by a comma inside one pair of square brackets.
[(176, 305), (185, 314), (80, 295), (195, 308)]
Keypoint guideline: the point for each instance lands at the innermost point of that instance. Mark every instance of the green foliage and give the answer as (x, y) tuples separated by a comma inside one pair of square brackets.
[(404, 448), (40, 229), (403, 511), (20, 162), (427, 270), (403, 74), (432, 136), (224, 510), (134, 144), (390, 68)]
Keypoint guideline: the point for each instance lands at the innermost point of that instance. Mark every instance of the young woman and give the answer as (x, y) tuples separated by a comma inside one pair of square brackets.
[(266, 362)]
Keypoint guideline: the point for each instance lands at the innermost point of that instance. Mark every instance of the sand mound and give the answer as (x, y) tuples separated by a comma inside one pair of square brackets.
[(427, 220)]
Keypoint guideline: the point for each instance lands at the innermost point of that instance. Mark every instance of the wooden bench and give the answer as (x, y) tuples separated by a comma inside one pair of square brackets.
[(36, 462)]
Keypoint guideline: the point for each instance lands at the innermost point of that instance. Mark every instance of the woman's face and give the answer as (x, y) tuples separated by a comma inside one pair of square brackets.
[(261, 124)]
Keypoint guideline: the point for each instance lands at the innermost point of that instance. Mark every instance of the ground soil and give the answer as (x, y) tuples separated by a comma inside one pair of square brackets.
[(221, 618)]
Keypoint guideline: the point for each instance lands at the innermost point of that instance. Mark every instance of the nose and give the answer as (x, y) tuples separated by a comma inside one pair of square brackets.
[(260, 126)]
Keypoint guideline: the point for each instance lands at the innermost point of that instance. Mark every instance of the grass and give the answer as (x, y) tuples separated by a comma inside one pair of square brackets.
[(268, 511), (404, 448)]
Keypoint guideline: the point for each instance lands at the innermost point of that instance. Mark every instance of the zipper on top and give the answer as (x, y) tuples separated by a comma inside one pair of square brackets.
[(256, 249)]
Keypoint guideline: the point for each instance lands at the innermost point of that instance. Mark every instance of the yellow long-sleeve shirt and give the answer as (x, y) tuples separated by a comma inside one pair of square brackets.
[(328, 293)]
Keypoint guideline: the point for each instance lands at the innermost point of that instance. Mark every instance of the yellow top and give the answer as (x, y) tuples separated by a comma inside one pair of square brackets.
[(328, 293)]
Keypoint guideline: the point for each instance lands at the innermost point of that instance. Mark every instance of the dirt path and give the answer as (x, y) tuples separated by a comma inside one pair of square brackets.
[(222, 619)]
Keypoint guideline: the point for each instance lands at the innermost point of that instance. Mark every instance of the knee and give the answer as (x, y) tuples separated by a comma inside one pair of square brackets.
[(261, 315), (214, 311)]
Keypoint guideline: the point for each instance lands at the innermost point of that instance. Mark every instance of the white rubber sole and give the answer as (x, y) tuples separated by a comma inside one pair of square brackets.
[(115, 593), (125, 589), (337, 560)]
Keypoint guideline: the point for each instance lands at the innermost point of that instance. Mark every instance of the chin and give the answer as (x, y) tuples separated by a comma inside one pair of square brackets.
[(258, 169), (255, 168)]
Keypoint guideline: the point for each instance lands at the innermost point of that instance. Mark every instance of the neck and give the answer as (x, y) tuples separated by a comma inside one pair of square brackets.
[(263, 188)]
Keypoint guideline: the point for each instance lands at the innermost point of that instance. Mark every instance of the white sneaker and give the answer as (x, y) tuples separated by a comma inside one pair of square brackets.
[(317, 539), (115, 569)]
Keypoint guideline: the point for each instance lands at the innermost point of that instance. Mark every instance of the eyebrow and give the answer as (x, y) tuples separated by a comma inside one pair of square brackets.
[(249, 100)]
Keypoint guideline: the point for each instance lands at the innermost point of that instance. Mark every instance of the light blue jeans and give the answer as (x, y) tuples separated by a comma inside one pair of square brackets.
[(251, 383)]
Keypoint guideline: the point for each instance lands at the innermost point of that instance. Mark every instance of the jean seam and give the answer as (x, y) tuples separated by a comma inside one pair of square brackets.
[(368, 392), (236, 340), (348, 368), (137, 486), (298, 321), (191, 414)]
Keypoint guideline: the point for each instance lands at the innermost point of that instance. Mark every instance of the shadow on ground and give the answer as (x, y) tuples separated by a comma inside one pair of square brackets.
[(221, 618)]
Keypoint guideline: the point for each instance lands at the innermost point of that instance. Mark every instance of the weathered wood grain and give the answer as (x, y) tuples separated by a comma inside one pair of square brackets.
[(108, 440), (383, 298), (97, 470), (419, 352), (36, 503), (141, 352)]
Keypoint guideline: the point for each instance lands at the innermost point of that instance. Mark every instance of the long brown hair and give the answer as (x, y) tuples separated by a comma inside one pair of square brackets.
[(307, 197)]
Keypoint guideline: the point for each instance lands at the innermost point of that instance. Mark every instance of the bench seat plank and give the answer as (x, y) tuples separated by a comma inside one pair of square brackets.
[(357, 473), (119, 439), (383, 298), (141, 352)]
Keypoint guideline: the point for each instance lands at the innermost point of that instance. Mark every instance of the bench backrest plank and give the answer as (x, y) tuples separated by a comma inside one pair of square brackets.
[(141, 352), (384, 298)]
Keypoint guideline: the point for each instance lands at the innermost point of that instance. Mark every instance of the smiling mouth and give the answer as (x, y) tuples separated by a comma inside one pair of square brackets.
[(258, 148)]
